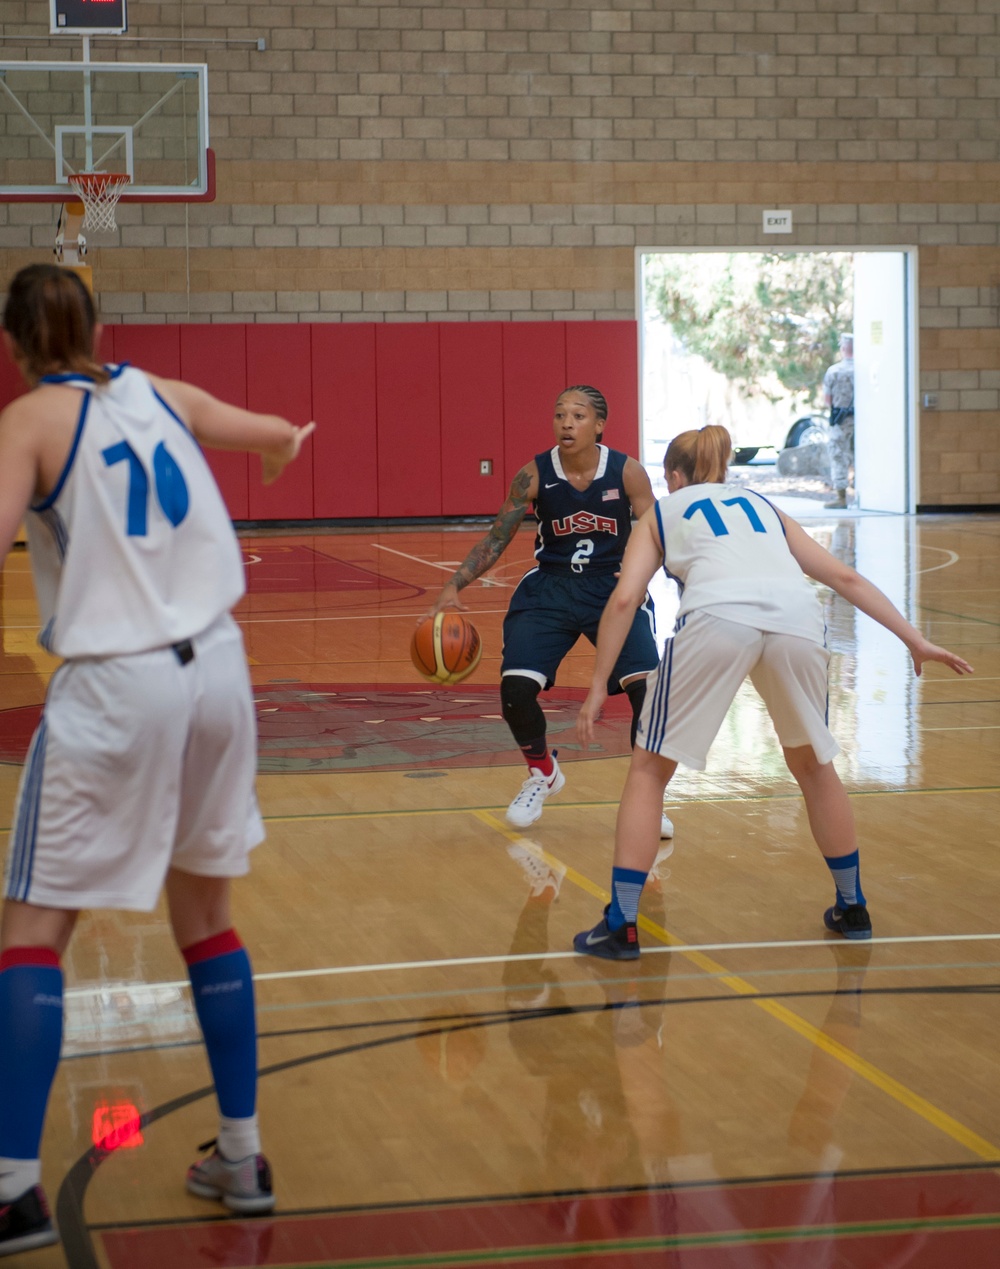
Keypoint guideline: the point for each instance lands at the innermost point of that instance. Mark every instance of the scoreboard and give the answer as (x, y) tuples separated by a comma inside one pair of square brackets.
[(87, 17)]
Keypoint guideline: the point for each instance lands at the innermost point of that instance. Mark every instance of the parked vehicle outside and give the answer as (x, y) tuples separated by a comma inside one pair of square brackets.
[(749, 441)]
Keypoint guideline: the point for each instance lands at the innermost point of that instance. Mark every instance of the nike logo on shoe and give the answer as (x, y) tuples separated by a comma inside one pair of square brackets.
[(601, 938)]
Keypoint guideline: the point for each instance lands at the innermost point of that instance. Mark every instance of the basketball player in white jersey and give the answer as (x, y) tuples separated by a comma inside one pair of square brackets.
[(141, 772), (746, 609)]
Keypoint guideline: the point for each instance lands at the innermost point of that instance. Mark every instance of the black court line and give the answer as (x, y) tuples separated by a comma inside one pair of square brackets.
[(488, 1015), (76, 1234)]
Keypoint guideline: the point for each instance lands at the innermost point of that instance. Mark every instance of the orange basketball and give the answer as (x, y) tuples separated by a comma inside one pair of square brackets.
[(446, 649)]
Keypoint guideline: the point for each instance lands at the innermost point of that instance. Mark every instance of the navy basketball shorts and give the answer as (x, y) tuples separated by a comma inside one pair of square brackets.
[(549, 612)]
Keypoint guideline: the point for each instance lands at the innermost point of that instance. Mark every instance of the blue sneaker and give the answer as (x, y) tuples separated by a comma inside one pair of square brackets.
[(610, 945), (853, 921)]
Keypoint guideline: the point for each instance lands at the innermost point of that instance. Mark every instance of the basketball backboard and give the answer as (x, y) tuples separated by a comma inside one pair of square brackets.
[(147, 119)]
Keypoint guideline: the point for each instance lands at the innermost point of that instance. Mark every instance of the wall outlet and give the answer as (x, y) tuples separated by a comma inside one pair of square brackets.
[(930, 400), (486, 467)]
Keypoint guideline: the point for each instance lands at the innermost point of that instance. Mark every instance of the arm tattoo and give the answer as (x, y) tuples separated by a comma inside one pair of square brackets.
[(485, 554)]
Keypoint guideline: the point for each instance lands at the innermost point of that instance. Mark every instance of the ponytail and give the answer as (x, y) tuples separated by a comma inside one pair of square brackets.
[(701, 456)]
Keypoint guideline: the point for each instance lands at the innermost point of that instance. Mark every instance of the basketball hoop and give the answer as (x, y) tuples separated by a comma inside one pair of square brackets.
[(99, 192)]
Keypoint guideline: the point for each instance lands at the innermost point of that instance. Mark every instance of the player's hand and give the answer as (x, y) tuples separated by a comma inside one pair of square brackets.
[(275, 463), (590, 712), (447, 599), (927, 651)]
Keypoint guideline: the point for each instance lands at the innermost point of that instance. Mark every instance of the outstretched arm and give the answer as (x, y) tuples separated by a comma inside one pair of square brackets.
[(220, 425), (482, 557), (859, 591), (643, 556)]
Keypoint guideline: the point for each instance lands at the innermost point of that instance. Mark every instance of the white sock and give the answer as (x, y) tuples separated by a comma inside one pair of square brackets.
[(238, 1138), (18, 1175)]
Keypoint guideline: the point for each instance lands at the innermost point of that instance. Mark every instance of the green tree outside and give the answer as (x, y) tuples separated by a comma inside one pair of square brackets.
[(769, 322)]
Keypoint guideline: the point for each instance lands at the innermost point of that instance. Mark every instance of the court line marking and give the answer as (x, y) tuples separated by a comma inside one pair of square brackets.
[(567, 1252), (981, 726), (955, 557), (461, 962), (979, 678), (280, 621), (474, 612), (611, 804), (925, 1109), (448, 568)]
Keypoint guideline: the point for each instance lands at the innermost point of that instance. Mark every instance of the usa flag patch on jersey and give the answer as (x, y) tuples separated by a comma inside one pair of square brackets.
[(610, 495)]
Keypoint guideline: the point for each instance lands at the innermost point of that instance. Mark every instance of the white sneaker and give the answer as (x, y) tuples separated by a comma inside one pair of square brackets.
[(243, 1185), (666, 826), (541, 876), (527, 806)]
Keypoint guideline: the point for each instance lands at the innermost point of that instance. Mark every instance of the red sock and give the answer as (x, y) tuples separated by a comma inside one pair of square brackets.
[(545, 765)]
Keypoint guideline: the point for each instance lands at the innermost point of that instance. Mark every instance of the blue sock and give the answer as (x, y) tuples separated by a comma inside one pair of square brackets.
[(626, 887), (846, 872), (219, 968), (31, 1015)]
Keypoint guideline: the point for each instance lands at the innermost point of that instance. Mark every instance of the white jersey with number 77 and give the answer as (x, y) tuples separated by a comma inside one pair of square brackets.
[(725, 547)]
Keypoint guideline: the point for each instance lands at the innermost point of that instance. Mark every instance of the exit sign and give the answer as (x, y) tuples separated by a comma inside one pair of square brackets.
[(777, 222), (87, 17)]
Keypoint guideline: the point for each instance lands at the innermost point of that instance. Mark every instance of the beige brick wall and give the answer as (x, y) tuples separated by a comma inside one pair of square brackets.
[(409, 160)]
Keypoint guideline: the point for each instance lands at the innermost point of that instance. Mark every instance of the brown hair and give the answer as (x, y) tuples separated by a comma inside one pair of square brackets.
[(51, 318), (701, 456)]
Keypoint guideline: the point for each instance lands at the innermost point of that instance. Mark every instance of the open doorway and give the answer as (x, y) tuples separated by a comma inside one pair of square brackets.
[(743, 338)]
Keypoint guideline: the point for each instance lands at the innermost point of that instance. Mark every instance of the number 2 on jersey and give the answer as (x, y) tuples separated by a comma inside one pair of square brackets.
[(168, 481), (581, 556)]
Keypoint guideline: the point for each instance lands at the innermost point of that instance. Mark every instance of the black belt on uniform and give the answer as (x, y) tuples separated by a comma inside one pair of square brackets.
[(183, 651)]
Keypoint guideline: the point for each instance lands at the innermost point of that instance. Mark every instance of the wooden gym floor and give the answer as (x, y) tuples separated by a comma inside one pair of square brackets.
[(443, 1082)]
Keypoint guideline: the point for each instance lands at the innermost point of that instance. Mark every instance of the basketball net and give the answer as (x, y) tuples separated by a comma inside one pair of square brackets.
[(99, 192)]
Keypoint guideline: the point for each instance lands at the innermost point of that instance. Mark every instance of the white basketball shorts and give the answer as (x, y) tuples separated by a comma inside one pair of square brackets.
[(140, 763), (703, 666)]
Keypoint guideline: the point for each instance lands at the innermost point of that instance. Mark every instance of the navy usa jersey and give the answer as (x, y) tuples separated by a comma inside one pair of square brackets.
[(582, 531)]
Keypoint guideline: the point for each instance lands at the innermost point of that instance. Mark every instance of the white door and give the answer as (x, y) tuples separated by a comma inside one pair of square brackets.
[(881, 381)]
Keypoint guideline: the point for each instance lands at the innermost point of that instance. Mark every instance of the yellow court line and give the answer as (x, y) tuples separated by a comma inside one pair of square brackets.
[(866, 1070)]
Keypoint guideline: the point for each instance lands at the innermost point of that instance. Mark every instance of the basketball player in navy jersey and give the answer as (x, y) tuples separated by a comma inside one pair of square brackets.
[(140, 775), (584, 497)]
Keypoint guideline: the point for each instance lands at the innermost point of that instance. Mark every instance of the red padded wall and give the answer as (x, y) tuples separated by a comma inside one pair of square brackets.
[(153, 348), (405, 411), (606, 355), (534, 373), (215, 358), (279, 381), (345, 443), (409, 420), (471, 418), (11, 383)]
